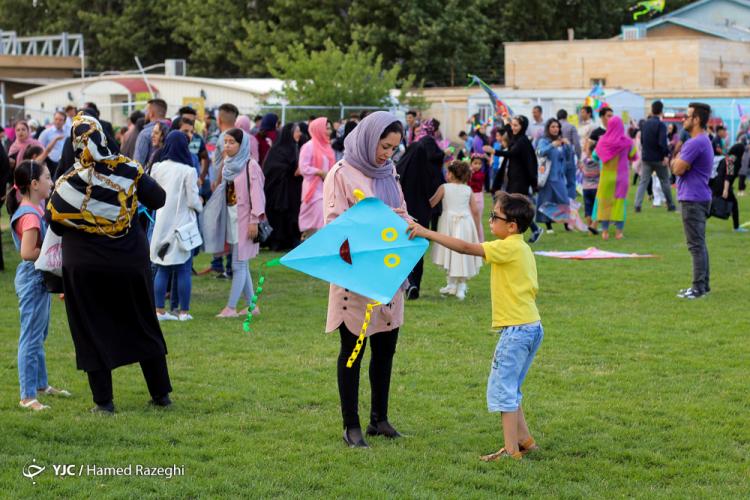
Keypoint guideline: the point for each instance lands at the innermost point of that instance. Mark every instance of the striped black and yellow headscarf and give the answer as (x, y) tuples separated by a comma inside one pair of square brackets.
[(98, 195)]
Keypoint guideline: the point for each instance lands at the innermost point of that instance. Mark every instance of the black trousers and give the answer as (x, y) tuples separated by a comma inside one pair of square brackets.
[(381, 361), (154, 371), (415, 276)]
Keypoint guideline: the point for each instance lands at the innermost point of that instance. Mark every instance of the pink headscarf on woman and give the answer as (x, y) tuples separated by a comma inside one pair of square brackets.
[(614, 142), (243, 123), (321, 148), (20, 146)]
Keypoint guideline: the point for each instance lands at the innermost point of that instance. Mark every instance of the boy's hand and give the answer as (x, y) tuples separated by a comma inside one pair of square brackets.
[(415, 230)]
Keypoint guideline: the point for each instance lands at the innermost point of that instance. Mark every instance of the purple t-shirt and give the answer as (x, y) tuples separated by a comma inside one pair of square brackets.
[(693, 184)]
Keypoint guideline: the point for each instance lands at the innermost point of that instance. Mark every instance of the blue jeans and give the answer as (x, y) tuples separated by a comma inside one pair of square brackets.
[(184, 274), (513, 356), (619, 225), (34, 306)]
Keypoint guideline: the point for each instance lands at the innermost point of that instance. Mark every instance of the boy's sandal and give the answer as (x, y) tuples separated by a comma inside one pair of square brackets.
[(53, 391), (501, 453), (33, 405)]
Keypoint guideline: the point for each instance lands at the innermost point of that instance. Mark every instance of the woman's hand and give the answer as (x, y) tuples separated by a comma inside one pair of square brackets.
[(252, 231)]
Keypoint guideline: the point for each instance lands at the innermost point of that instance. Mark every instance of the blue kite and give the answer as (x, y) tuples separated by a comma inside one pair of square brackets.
[(366, 250)]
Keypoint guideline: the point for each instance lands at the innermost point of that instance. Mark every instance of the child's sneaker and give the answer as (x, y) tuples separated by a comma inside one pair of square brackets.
[(501, 453), (166, 316)]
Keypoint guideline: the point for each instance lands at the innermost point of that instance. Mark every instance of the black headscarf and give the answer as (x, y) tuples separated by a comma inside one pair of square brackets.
[(279, 167)]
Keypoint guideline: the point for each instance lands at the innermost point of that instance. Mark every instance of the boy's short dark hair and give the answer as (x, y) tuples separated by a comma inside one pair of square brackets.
[(537, 108), (657, 107), (702, 111), (187, 110), (159, 106), (562, 115), (462, 134), (412, 113), (517, 208), (604, 110), (588, 109)]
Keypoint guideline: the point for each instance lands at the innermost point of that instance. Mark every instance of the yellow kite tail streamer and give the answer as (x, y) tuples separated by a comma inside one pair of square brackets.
[(362, 334)]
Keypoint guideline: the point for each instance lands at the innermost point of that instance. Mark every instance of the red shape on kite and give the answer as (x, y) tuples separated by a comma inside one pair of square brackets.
[(345, 252)]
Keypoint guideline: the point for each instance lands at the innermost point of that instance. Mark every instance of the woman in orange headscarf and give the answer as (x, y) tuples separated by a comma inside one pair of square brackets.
[(316, 158)]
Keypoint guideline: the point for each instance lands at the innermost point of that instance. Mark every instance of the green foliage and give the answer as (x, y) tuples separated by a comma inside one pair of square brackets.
[(331, 76), (633, 393), (439, 41)]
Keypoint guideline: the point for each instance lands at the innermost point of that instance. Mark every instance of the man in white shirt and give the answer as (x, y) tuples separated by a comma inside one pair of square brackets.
[(536, 128), (48, 135)]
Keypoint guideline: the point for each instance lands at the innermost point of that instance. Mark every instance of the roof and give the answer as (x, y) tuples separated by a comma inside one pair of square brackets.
[(509, 93), (135, 85), (728, 30), (257, 86)]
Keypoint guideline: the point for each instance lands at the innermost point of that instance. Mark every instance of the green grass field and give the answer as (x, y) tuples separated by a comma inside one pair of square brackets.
[(634, 393)]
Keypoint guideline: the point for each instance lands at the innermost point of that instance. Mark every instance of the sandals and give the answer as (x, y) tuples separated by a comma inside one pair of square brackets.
[(528, 446), (501, 453), (228, 313), (53, 391), (33, 405)]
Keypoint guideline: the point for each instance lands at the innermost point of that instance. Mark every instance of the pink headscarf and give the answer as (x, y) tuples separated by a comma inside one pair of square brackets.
[(321, 145), (614, 142), (243, 123), (20, 147)]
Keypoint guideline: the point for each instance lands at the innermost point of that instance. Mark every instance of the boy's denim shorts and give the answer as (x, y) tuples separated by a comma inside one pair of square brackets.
[(513, 356)]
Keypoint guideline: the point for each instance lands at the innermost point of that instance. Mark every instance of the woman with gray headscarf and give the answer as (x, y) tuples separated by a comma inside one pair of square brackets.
[(367, 167)]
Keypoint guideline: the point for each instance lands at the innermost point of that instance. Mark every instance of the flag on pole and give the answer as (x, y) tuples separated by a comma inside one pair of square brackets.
[(498, 106)]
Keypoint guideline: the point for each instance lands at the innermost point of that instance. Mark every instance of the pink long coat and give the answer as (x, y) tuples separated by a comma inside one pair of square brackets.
[(345, 306), (311, 212), (246, 248)]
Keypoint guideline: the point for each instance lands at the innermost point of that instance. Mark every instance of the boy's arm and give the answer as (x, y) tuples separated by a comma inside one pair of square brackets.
[(449, 242)]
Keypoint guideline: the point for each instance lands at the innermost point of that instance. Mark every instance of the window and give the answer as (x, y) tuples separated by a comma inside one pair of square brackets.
[(721, 80), (602, 82)]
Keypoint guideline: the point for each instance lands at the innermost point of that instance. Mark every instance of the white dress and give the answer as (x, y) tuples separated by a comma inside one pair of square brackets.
[(457, 221)]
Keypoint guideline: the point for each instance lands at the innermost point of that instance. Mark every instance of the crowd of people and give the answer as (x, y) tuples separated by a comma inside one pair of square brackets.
[(134, 206)]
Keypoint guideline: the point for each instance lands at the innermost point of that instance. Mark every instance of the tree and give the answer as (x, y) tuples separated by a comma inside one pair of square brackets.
[(331, 77)]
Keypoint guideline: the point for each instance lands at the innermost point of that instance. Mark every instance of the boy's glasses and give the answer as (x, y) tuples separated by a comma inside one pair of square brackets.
[(494, 217)]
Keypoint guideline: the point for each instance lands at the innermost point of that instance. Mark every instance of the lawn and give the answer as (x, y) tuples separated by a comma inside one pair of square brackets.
[(634, 393)]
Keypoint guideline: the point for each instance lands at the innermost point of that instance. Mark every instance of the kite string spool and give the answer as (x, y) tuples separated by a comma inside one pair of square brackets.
[(362, 334), (258, 291)]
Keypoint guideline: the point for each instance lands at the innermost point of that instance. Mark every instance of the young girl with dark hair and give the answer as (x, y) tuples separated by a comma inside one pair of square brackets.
[(32, 185)]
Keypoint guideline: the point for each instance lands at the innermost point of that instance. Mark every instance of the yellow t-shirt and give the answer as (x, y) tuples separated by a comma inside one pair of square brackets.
[(513, 284)]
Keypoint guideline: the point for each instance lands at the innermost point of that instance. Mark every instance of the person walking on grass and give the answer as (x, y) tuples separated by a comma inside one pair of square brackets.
[(513, 289), (655, 156), (693, 166)]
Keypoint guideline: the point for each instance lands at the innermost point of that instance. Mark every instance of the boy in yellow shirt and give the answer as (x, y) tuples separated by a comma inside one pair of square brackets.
[(513, 289)]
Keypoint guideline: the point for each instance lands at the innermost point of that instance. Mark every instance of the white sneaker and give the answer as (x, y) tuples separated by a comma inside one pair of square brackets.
[(184, 317), (448, 290), (461, 291), (166, 316)]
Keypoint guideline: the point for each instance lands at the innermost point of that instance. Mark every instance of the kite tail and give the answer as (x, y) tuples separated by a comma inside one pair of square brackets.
[(362, 334), (258, 291)]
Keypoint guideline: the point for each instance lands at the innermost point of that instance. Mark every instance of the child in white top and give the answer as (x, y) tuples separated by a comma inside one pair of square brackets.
[(459, 220)]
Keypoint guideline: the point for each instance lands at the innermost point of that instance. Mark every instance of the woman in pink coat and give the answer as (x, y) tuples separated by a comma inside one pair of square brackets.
[(316, 158), (241, 171), (367, 167)]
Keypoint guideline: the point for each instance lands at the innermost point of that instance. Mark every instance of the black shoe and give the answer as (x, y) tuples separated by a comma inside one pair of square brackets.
[(412, 293), (637, 210), (671, 208), (691, 294), (593, 231), (162, 401), (107, 409), (383, 429), (222, 276), (353, 438)]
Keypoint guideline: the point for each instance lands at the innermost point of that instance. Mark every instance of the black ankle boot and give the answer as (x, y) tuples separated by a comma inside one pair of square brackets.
[(162, 401), (106, 409), (382, 428), (354, 439)]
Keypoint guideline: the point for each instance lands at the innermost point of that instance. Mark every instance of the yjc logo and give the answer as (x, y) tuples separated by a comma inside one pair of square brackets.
[(33, 470), (63, 470)]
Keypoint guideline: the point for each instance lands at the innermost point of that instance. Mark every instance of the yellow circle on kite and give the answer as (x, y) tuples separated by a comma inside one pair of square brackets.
[(392, 260), (389, 234)]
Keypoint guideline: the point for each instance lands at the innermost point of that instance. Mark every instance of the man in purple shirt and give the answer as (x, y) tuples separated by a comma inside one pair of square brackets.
[(693, 170)]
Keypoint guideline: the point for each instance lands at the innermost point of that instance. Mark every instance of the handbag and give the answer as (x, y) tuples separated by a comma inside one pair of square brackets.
[(188, 235), (721, 208), (49, 262), (544, 166), (264, 228)]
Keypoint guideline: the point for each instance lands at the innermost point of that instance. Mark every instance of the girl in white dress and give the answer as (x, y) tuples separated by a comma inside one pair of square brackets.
[(459, 219)]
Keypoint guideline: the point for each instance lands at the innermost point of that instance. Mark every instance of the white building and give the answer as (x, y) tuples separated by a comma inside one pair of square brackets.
[(117, 95)]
